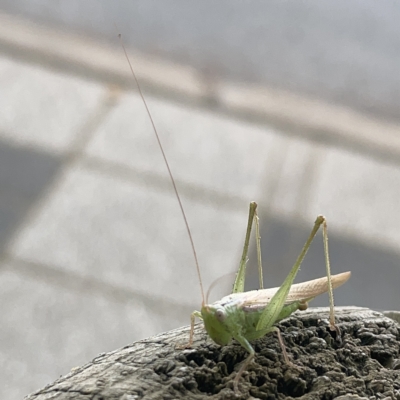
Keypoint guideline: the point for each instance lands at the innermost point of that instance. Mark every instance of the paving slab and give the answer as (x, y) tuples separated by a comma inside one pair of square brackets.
[(203, 148), (41, 108)]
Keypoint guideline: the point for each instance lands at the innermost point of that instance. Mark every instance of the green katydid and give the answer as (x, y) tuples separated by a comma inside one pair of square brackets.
[(246, 316)]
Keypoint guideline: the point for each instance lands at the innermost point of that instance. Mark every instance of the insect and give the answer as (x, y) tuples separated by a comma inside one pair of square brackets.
[(246, 316)]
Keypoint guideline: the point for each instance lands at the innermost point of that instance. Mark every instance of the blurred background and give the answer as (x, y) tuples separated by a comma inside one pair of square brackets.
[(292, 104)]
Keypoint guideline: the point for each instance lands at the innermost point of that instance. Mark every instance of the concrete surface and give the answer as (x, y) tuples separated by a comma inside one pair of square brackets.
[(94, 251)]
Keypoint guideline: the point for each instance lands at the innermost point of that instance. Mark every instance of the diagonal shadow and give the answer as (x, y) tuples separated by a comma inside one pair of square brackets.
[(25, 173)]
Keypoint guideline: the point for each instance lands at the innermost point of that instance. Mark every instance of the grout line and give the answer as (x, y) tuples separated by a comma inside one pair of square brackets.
[(89, 284), (88, 129), (197, 193)]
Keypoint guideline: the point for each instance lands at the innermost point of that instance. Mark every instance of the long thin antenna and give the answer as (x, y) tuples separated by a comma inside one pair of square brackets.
[(168, 168)]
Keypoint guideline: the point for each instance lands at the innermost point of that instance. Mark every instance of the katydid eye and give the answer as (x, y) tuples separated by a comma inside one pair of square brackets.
[(220, 315)]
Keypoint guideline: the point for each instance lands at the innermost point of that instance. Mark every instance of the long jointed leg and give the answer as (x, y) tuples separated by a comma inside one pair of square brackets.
[(258, 243), (238, 286), (193, 316), (244, 342), (271, 312), (328, 275)]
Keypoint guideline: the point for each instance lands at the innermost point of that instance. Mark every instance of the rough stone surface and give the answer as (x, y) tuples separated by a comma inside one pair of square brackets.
[(361, 362)]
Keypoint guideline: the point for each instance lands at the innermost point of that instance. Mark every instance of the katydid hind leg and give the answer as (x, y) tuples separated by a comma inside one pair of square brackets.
[(238, 286), (258, 245), (271, 312), (328, 275)]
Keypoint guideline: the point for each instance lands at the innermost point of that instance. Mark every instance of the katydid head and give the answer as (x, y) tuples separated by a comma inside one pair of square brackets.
[(214, 317)]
